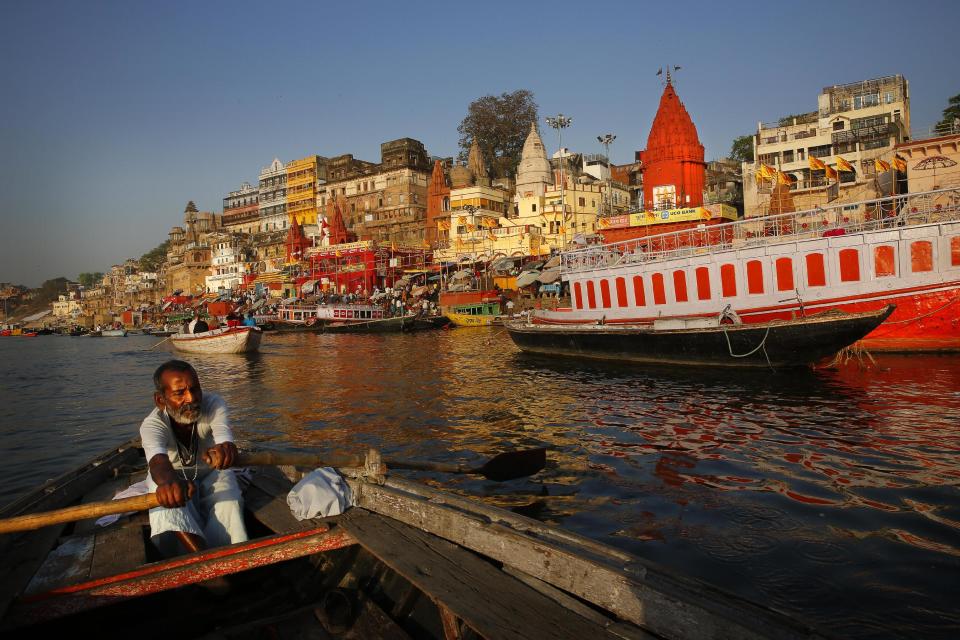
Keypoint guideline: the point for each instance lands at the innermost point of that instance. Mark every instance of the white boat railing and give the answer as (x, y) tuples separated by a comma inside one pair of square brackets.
[(842, 218)]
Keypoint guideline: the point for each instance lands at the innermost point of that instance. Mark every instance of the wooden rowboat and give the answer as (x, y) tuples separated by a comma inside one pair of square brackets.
[(224, 340), (408, 561)]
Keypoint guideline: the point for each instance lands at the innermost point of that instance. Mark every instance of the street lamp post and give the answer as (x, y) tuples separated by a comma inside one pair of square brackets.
[(606, 139), (561, 122)]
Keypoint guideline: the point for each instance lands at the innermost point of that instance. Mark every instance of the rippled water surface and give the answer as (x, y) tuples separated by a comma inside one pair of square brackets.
[(830, 495)]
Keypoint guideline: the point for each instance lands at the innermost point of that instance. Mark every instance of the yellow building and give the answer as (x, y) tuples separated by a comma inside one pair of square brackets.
[(477, 227), (302, 180)]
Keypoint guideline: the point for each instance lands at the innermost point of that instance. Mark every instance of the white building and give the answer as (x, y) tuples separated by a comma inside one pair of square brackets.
[(273, 197), (227, 263), (860, 122)]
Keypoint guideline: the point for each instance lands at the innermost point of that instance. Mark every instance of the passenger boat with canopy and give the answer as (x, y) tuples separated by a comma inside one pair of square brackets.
[(407, 561), (853, 257)]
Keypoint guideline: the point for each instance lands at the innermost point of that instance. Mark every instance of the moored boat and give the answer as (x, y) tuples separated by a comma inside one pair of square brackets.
[(396, 324), (851, 256), (407, 561), (114, 333), (223, 340), (481, 314), (702, 341)]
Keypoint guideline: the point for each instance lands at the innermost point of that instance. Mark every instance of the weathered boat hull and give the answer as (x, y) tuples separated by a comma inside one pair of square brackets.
[(114, 333), (466, 320), (229, 340), (386, 325), (407, 560), (788, 343)]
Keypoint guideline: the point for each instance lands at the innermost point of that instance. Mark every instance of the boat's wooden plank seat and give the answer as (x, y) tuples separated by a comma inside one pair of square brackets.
[(490, 602)]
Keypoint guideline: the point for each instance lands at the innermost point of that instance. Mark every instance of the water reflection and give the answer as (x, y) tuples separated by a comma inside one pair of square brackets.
[(831, 494)]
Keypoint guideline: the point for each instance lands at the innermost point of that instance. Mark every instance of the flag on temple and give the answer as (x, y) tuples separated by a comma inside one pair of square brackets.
[(816, 164), (491, 237), (562, 229), (843, 165), (831, 173), (337, 253), (899, 163), (462, 219), (471, 227), (766, 171), (881, 166), (782, 178)]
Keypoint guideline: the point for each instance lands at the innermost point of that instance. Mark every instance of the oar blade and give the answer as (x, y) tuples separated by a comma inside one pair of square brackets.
[(514, 464)]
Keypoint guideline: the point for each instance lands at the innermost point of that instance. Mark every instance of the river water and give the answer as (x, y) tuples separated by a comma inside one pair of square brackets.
[(831, 495)]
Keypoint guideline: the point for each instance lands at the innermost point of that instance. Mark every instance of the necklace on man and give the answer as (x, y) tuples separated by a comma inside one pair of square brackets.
[(188, 454)]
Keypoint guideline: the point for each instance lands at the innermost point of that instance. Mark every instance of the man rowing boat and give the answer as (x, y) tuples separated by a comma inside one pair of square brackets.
[(189, 448)]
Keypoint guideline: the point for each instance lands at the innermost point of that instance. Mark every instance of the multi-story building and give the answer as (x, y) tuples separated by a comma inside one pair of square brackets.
[(188, 256), (241, 209), (273, 197), (303, 179), (859, 122), (386, 202), (228, 262)]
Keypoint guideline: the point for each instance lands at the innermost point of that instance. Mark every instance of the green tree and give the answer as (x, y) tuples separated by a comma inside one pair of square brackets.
[(153, 259), (90, 279), (51, 289), (742, 149), (500, 125), (951, 116)]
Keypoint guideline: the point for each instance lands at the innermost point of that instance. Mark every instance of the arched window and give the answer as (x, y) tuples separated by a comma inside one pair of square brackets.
[(703, 283), (659, 293), (728, 280), (784, 274), (591, 295), (578, 295), (816, 273), (605, 293), (849, 265), (638, 292), (884, 261), (621, 292), (754, 277), (955, 251), (921, 256), (680, 285)]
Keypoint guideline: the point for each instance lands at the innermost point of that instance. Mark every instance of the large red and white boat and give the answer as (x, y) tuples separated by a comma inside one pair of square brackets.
[(855, 257)]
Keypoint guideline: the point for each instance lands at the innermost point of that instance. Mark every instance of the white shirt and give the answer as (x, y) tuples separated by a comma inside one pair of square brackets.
[(157, 436)]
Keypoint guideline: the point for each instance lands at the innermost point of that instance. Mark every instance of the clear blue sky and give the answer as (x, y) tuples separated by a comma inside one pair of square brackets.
[(115, 114)]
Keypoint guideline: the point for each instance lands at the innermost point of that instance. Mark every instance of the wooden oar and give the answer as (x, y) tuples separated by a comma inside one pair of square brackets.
[(80, 512), (159, 343), (505, 466)]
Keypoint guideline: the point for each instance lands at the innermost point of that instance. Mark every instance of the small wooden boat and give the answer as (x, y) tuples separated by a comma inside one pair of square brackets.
[(481, 314), (223, 340), (114, 333), (702, 341), (396, 324), (408, 561)]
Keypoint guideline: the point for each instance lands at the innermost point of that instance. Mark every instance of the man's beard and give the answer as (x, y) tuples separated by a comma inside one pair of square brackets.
[(186, 414)]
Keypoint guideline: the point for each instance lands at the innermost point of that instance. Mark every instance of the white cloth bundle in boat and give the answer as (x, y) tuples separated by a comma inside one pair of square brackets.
[(322, 492)]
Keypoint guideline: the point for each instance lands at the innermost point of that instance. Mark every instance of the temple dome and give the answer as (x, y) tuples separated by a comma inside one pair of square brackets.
[(534, 169)]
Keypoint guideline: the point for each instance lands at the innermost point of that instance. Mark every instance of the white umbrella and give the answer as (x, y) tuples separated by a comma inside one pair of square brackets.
[(552, 262), (550, 275), (527, 278)]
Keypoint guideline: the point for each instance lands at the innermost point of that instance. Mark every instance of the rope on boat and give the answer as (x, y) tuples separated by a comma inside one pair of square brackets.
[(762, 345), (848, 353)]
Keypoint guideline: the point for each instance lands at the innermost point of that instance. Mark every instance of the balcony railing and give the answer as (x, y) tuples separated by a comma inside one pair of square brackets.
[(852, 217)]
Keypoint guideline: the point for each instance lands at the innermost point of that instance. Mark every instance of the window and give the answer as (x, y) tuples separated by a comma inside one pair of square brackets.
[(638, 292), (921, 256), (659, 292), (754, 277), (728, 280), (877, 143), (955, 251), (838, 125), (849, 265), (821, 151), (582, 202), (533, 207), (621, 292), (787, 156), (591, 295), (816, 273), (784, 274), (680, 286), (866, 100), (884, 261), (703, 283), (605, 293)]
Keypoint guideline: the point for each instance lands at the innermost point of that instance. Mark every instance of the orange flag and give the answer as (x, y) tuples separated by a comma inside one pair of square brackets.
[(816, 164), (843, 165), (899, 163), (881, 166), (783, 179), (831, 173)]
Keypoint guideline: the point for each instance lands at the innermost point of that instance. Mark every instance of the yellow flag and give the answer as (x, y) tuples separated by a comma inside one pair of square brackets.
[(603, 223), (462, 219), (899, 163), (768, 172), (491, 237), (471, 227), (783, 179), (338, 254), (831, 173), (881, 166), (843, 165), (705, 214), (562, 229), (816, 164)]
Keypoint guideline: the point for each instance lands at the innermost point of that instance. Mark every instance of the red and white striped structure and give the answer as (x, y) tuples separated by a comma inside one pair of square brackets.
[(860, 256)]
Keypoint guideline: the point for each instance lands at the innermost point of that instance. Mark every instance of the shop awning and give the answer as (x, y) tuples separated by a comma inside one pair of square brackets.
[(550, 275), (527, 278)]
